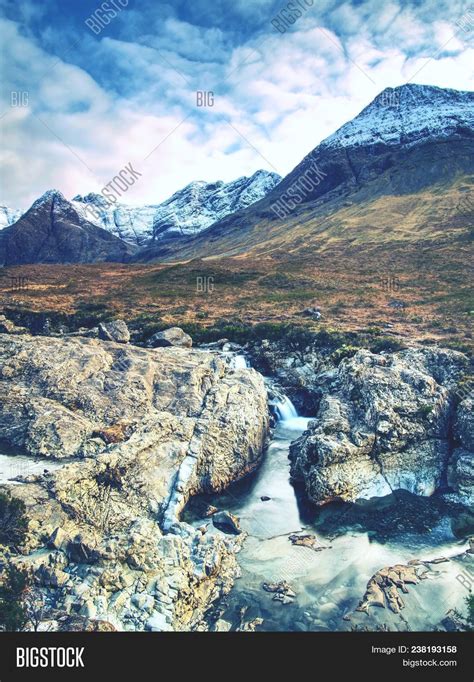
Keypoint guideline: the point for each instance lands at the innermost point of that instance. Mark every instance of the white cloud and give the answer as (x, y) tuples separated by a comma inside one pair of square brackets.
[(282, 93)]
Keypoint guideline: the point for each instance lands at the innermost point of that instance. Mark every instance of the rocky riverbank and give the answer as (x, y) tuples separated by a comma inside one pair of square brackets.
[(139, 431), (387, 422), (127, 434)]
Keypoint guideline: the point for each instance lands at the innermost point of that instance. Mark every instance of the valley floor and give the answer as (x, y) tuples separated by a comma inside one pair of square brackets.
[(413, 292)]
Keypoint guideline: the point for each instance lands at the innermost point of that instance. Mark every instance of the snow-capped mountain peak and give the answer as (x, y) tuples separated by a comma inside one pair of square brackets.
[(187, 211), (407, 115), (53, 195), (200, 204)]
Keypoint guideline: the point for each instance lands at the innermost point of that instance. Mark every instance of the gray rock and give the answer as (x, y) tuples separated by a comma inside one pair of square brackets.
[(88, 610), (383, 423), (59, 539), (226, 522), (8, 327), (174, 336), (464, 423), (116, 330), (143, 601), (158, 623), (461, 474), (315, 313)]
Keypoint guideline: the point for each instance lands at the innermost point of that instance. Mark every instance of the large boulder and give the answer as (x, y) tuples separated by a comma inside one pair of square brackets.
[(187, 423), (174, 336), (384, 422), (116, 330)]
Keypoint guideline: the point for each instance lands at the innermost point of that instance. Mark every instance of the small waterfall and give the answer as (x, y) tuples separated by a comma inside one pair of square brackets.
[(286, 410), (288, 416), (239, 362)]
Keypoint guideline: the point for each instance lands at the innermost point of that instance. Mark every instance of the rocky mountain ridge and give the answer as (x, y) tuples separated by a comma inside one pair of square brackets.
[(187, 212), (407, 115), (408, 140), (53, 231)]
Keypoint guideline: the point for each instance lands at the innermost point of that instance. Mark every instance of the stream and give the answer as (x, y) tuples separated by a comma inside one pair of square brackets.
[(353, 541), (15, 466)]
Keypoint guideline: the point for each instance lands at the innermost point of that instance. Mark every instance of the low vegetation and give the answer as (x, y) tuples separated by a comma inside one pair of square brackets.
[(397, 292), (13, 522)]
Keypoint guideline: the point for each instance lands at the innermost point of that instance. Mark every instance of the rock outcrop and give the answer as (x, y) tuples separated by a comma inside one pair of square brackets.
[(385, 422), (174, 336), (461, 465), (386, 585), (139, 431), (116, 330)]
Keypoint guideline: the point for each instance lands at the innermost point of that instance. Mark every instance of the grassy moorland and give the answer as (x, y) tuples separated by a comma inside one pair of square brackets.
[(413, 293)]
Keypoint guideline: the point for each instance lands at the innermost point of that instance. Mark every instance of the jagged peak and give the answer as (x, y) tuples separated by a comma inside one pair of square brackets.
[(91, 197), (261, 172)]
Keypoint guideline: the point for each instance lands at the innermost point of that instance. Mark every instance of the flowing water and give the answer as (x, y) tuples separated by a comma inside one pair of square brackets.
[(353, 542), (239, 362), (16, 465)]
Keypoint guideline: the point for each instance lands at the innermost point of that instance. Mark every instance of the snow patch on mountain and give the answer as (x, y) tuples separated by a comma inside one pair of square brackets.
[(9, 216), (133, 224), (200, 204)]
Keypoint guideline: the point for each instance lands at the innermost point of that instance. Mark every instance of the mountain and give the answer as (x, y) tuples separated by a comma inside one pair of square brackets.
[(188, 212), (132, 224), (8, 216), (200, 204), (400, 169), (88, 229), (53, 231)]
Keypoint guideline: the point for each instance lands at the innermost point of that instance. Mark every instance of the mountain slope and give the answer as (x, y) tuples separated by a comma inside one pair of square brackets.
[(409, 143), (52, 231), (132, 224)]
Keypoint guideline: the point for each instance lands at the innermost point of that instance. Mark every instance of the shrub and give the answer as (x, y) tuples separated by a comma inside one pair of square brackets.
[(297, 340), (13, 522), (345, 351), (13, 612)]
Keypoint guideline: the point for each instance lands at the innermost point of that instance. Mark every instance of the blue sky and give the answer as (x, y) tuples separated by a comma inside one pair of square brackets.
[(99, 98)]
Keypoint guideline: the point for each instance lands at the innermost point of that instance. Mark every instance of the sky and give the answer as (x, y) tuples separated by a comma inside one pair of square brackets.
[(89, 87)]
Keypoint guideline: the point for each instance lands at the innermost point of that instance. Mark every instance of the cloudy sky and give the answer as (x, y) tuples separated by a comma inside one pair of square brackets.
[(80, 99)]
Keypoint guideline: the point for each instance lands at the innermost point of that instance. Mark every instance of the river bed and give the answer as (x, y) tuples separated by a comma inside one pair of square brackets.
[(354, 541)]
